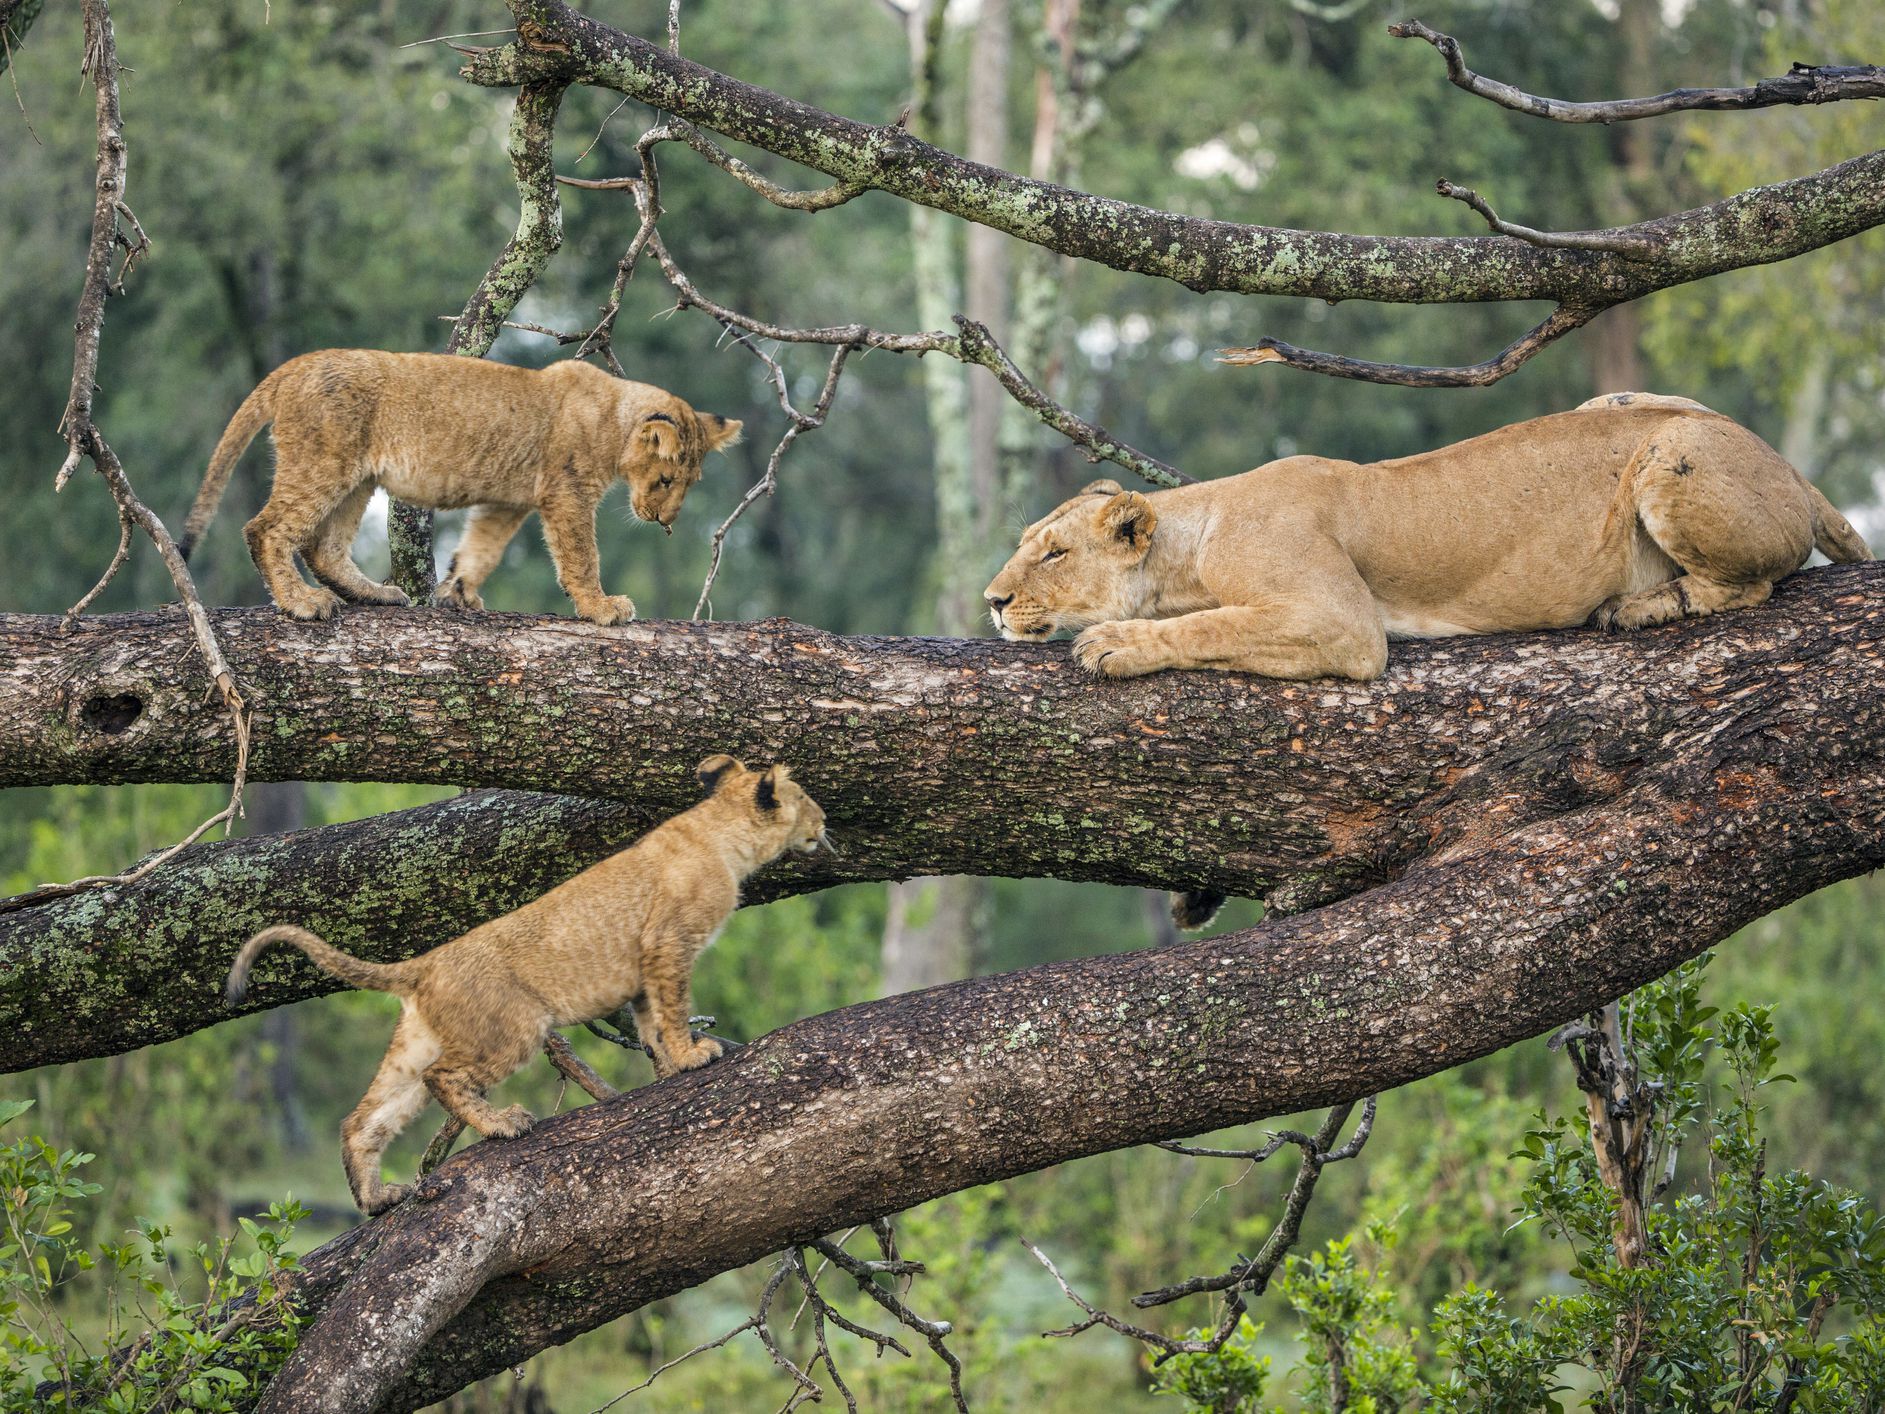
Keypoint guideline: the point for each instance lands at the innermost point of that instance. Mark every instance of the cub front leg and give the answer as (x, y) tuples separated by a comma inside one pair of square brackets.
[(569, 525)]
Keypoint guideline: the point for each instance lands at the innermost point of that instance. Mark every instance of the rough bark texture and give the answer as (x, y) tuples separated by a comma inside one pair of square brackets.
[(1758, 226), (1766, 780), (1007, 761)]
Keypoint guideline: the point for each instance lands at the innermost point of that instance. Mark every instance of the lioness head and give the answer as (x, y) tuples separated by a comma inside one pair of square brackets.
[(776, 803), (663, 446), (1076, 567)]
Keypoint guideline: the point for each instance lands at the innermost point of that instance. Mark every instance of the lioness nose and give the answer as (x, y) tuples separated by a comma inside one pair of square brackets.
[(999, 601)]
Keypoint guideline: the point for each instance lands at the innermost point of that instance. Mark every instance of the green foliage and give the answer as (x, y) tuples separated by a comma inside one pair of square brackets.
[(1729, 1307), (182, 1329), (1354, 1356), (1228, 1380)]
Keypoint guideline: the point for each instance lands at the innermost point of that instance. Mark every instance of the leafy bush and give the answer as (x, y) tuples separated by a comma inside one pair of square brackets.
[(160, 1347)]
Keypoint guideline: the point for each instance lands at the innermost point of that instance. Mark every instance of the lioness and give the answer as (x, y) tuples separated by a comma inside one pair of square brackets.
[(625, 931), (449, 432), (1632, 510)]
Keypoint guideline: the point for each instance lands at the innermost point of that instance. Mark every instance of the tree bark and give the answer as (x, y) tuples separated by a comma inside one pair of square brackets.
[(1007, 761), (1770, 783)]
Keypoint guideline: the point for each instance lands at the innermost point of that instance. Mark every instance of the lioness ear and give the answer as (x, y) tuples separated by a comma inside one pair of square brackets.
[(1130, 519), (660, 435), (1103, 487), (766, 794), (713, 768), (719, 431)]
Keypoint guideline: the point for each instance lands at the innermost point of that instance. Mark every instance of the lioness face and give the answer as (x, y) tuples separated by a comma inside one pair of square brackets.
[(662, 454), (1076, 567)]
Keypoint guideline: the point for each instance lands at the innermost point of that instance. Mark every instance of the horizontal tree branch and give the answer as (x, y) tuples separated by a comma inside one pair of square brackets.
[(1802, 84), (1007, 761), (1756, 227), (1774, 786)]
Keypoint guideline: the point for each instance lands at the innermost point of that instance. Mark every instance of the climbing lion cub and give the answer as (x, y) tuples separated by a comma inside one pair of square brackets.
[(622, 932), (1632, 510), (450, 432)]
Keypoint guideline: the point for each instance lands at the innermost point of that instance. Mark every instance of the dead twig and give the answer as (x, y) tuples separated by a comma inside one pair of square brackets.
[(1631, 244), (1802, 84), (1409, 375)]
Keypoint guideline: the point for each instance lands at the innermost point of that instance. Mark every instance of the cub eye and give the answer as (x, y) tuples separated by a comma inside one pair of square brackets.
[(665, 481), (1051, 556)]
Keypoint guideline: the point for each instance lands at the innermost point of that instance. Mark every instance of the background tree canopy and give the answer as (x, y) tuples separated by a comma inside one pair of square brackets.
[(315, 176)]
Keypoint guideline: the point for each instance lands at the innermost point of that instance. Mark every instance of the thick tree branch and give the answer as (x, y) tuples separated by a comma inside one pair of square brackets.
[(1008, 761), (845, 1116), (1756, 227), (1802, 84)]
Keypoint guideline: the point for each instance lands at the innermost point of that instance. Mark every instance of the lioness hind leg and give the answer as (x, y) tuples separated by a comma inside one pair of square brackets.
[(330, 555), (1687, 596)]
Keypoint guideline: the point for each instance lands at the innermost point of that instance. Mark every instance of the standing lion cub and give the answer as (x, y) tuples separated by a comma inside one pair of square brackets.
[(1632, 510), (625, 931), (450, 432)]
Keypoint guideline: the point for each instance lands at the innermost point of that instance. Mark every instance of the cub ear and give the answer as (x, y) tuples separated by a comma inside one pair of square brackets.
[(1129, 519), (713, 768), (659, 434), (766, 794), (1103, 487), (720, 432)]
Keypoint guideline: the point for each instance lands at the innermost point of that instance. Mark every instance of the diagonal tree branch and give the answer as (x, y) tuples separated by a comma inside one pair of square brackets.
[(1802, 84), (1508, 360), (1758, 226), (839, 1118)]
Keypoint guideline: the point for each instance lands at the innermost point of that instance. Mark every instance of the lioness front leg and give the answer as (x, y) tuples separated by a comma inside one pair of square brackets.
[(570, 528), (1278, 641)]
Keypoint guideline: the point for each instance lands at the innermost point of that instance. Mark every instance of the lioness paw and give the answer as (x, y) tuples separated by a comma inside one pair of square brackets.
[(1116, 650)]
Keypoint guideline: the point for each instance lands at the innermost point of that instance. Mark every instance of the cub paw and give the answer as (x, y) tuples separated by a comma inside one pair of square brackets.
[(312, 605), (512, 1123), (705, 1051), (388, 1198), (613, 609), (1116, 650), (453, 595)]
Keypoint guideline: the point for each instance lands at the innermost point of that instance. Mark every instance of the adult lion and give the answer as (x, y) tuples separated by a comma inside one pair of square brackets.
[(1631, 510)]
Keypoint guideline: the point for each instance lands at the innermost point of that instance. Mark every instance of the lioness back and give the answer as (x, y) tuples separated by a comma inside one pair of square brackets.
[(1631, 511), (449, 433)]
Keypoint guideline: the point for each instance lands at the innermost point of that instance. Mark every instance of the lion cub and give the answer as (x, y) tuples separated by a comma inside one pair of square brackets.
[(625, 931), (449, 432)]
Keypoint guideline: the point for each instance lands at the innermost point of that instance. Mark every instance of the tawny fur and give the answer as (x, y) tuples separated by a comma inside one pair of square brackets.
[(448, 433), (624, 932), (1634, 509)]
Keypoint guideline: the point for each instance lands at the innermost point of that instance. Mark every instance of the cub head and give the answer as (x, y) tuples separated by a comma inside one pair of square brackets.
[(1076, 567), (663, 443), (776, 803)]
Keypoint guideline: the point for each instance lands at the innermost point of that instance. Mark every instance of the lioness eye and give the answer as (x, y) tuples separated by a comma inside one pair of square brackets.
[(1051, 556)]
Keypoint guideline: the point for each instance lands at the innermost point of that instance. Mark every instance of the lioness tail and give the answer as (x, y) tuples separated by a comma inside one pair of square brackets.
[(376, 976), (1833, 535), (256, 412)]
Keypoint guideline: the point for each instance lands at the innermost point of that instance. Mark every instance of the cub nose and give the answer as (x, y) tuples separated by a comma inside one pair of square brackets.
[(999, 601)]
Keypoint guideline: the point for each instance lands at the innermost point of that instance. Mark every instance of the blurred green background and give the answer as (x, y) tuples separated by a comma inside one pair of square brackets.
[(310, 177)]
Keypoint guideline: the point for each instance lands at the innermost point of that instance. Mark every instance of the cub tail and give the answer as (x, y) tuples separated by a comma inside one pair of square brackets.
[(256, 412), (1833, 535), (375, 976)]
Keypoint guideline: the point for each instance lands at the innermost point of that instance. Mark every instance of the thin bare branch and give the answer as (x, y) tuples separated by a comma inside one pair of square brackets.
[(1625, 242), (1477, 375), (1802, 84)]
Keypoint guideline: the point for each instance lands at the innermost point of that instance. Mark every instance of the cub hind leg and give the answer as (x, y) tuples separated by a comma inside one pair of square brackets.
[(311, 481), (330, 556), (391, 1102), (1726, 508)]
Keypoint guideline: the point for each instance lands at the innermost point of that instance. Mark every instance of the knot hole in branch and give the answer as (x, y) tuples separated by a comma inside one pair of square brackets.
[(111, 713)]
